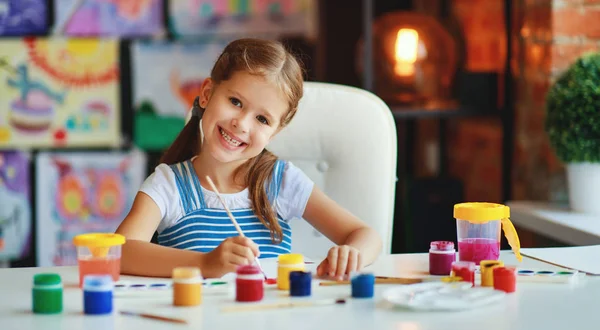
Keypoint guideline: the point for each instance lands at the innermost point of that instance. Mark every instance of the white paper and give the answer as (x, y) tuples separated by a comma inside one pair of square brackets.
[(582, 258)]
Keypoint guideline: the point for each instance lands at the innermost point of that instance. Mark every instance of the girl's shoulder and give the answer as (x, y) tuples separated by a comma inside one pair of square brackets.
[(295, 189)]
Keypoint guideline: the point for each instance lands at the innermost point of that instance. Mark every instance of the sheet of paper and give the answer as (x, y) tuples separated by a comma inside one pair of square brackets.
[(582, 258)]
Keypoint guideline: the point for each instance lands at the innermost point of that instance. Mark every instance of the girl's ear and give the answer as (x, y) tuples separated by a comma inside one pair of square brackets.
[(206, 90)]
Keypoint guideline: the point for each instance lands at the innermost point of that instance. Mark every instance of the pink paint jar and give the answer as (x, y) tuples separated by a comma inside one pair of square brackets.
[(441, 256)]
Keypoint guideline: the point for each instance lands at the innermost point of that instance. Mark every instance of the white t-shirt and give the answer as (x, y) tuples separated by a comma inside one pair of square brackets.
[(161, 186)]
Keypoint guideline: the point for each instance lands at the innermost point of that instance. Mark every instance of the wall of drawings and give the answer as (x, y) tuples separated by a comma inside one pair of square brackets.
[(81, 95)]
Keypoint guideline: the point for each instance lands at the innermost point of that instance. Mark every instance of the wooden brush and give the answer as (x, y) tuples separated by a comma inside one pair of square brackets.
[(378, 280), (155, 317), (284, 304)]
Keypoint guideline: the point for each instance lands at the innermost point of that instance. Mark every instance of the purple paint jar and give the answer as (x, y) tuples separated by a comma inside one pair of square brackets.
[(441, 256)]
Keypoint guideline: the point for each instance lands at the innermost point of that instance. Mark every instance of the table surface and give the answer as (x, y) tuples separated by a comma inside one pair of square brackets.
[(533, 306), (556, 222)]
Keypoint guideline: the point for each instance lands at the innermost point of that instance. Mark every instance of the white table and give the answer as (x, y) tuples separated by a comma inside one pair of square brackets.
[(556, 222), (533, 306)]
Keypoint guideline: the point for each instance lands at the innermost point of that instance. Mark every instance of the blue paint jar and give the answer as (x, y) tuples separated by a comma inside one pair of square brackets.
[(363, 285), (97, 294), (300, 283)]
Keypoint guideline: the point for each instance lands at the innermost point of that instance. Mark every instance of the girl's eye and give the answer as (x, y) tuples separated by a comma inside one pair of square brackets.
[(262, 119), (235, 102)]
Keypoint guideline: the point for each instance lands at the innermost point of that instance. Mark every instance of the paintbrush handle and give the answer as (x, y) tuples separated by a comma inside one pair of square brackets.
[(286, 304), (155, 317), (390, 280), (237, 226)]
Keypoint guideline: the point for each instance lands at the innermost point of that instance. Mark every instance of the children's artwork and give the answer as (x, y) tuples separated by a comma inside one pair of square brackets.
[(59, 92), (247, 17), (163, 94), (15, 205), (80, 193), (109, 17), (23, 17)]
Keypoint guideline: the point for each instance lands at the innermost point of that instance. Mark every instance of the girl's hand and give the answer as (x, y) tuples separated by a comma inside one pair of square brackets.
[(341, 260), (228, 256)]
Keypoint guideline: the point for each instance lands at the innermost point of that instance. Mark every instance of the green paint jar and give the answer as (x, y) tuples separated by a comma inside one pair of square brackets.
[(47, 294)]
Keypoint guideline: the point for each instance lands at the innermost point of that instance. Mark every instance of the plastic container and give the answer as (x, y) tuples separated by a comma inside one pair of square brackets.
[(99, 254), (288, 263), (300, 283), (97, 294), (363, 285), (47, 294), (187, 286), (465, 270), (478, 231), (505, 279), (249, 284), (441, 256), (487, 271)]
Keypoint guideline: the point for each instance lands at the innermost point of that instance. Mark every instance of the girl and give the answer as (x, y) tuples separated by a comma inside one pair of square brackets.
[(252, 93)]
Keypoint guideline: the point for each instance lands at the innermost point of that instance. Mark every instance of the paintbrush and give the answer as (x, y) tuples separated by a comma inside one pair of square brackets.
[(284, 304), (396, 280), (237, 227), (155, 317)]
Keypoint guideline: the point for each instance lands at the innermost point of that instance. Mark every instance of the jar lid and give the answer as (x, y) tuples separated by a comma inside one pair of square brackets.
[(97, 282), (46, 279), (479, 212), (490, 263), (442, 245), (464, 264), (99, 240), (298, 275), (186, 272), (248, 270), (504, 271), (290, 259)]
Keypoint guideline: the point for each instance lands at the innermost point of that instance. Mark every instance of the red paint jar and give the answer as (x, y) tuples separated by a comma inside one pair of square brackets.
[(249, 284), (464, 270), (505, 279), (441, 256)]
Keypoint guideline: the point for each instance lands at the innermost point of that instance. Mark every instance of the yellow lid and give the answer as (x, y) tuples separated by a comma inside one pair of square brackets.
[(290, 259), (186, 272), (99, 240), (479, 212)]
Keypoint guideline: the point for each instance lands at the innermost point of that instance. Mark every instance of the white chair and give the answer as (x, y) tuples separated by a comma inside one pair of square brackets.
[(344, 138)]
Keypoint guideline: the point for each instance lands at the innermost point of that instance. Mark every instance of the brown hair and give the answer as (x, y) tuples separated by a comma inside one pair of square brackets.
[(268, 59)]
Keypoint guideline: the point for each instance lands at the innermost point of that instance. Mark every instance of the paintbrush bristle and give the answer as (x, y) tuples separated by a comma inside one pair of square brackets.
[(340, 301)]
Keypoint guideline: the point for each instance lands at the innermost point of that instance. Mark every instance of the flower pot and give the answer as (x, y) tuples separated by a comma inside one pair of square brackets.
[(583, 181)]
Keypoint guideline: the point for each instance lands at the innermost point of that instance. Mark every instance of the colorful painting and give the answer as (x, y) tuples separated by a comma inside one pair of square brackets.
[(240, 17), (109, 17), (163, 94), (59, 93), (15, 205), (23, 17), (80, 193)]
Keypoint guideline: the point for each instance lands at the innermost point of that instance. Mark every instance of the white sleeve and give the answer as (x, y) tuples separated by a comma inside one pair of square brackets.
[(294, 192), (162, 188)]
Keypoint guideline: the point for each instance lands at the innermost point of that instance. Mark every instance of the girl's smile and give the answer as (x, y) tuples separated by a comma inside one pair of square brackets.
[(229, 140)]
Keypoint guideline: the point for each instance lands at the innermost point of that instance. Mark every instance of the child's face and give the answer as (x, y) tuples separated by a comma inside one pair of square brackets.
[(241, 116)]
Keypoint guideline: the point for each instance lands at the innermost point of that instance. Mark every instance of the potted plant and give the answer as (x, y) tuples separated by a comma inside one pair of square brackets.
[(573, 127)]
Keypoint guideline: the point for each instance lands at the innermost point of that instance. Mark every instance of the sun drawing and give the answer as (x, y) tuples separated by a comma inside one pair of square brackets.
[(76, 62)]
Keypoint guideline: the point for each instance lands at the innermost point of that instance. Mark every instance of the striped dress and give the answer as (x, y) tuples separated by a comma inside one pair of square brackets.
[(203, 229)]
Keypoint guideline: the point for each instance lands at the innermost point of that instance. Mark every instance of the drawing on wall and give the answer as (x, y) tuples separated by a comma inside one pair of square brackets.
[(80, 193), (59, 92), (23, 17), (247, 17), (109, 17), (163, 94), (15, 205)]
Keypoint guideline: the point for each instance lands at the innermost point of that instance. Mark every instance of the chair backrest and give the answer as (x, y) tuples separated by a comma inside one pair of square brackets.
[(344, 138)]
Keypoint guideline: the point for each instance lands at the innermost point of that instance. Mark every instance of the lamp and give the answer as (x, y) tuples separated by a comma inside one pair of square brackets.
[(415, 58)]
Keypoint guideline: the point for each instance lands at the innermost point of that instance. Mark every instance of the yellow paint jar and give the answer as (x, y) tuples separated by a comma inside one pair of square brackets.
[(187, 286), (487, 271), (288, 263)]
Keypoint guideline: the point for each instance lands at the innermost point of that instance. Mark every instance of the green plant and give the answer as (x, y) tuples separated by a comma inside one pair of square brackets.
[(573, 111)]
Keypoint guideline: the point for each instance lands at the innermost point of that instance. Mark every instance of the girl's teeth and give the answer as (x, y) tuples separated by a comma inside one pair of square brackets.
[(229, 139)]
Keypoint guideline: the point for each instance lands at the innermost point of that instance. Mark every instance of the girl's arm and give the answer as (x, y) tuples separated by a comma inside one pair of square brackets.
[(139, 255), (358, 244)]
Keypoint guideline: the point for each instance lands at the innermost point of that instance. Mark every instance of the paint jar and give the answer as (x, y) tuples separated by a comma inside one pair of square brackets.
[(300, 283), (47, 294), (487, 271), (363, 285), (478, 231), (99, 254), (187, 286), (441, 256), (288, 263), (97, 294), (249, 284), (505, 279), (465, 270)]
